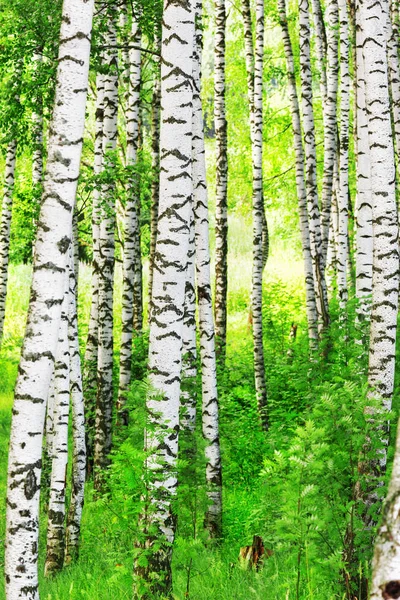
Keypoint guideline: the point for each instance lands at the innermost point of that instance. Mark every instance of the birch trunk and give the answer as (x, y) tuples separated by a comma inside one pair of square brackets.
[(258, 218), (132, 252), (91, 351), (155, 165), (210, 410), (311, 166), (48, 283), (5, 226), (330, 120), (189, 350), (393, 66), (221, 199), (58, 480), (312, 317), (343, 197), (78, 431), (37, 133), (386, 561), (385, 266), (104, 401), (171, 258), (364, 233)]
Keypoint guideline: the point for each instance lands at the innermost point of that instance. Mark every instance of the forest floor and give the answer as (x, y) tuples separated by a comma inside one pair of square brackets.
[(251, 504)]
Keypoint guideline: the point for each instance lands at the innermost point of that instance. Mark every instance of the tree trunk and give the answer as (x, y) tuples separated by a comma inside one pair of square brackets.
[(47, 292), (104, 401), (210, 410), (393, 67), (258, 218), (312, 317), (59, 456), (132, 253), (37, 133), (221, 199), (343, 198), (170, 267), (386, 561), (364, 233), (189, 350), (78, 431), (5, 226), (311, 166), (385, 267), (330, 120), (155, 164), (92, 344)]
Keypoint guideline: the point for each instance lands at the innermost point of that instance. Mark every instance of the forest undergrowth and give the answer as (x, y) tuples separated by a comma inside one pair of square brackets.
[(293, 486)]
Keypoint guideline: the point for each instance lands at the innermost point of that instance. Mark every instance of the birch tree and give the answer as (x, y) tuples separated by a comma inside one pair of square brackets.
[(254, 66), (385, 265), (311, 165), (5, 226), (364, 233), (394, 67), (312, 317), (343, 197), (155, 161), (74, 516), (104, 400), (131, 259), (221, 200), (91, 351), (330, 120), (170, 267), (59, 455), (37, 130), (210, 408), (48, 286)]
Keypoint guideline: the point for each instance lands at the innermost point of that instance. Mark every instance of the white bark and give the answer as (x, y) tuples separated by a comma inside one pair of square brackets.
[(59, 457), (5, 226), (171, 257), (385, 267), (189, 350), (384, 210), (91, 351), (37, 133), (343, 197), (155, 164), (258, 217), (210, 410), (311, 165), (104, 401), (221, 198), (392, 29), (78, 430), (330, 119), (132, 252), (364, 233), (50, 263), (312, 316), (386, 561)]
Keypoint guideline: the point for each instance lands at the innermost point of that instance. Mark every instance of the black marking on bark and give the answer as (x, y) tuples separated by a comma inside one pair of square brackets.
[(31, 485), (391, 590)]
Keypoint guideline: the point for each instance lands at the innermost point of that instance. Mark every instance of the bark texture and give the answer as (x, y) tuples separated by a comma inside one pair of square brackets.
[(5, 226), (312, 316), (48, 286), (221, 199), (169, 279), (210, 409), (104, 400), (132, 284)]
